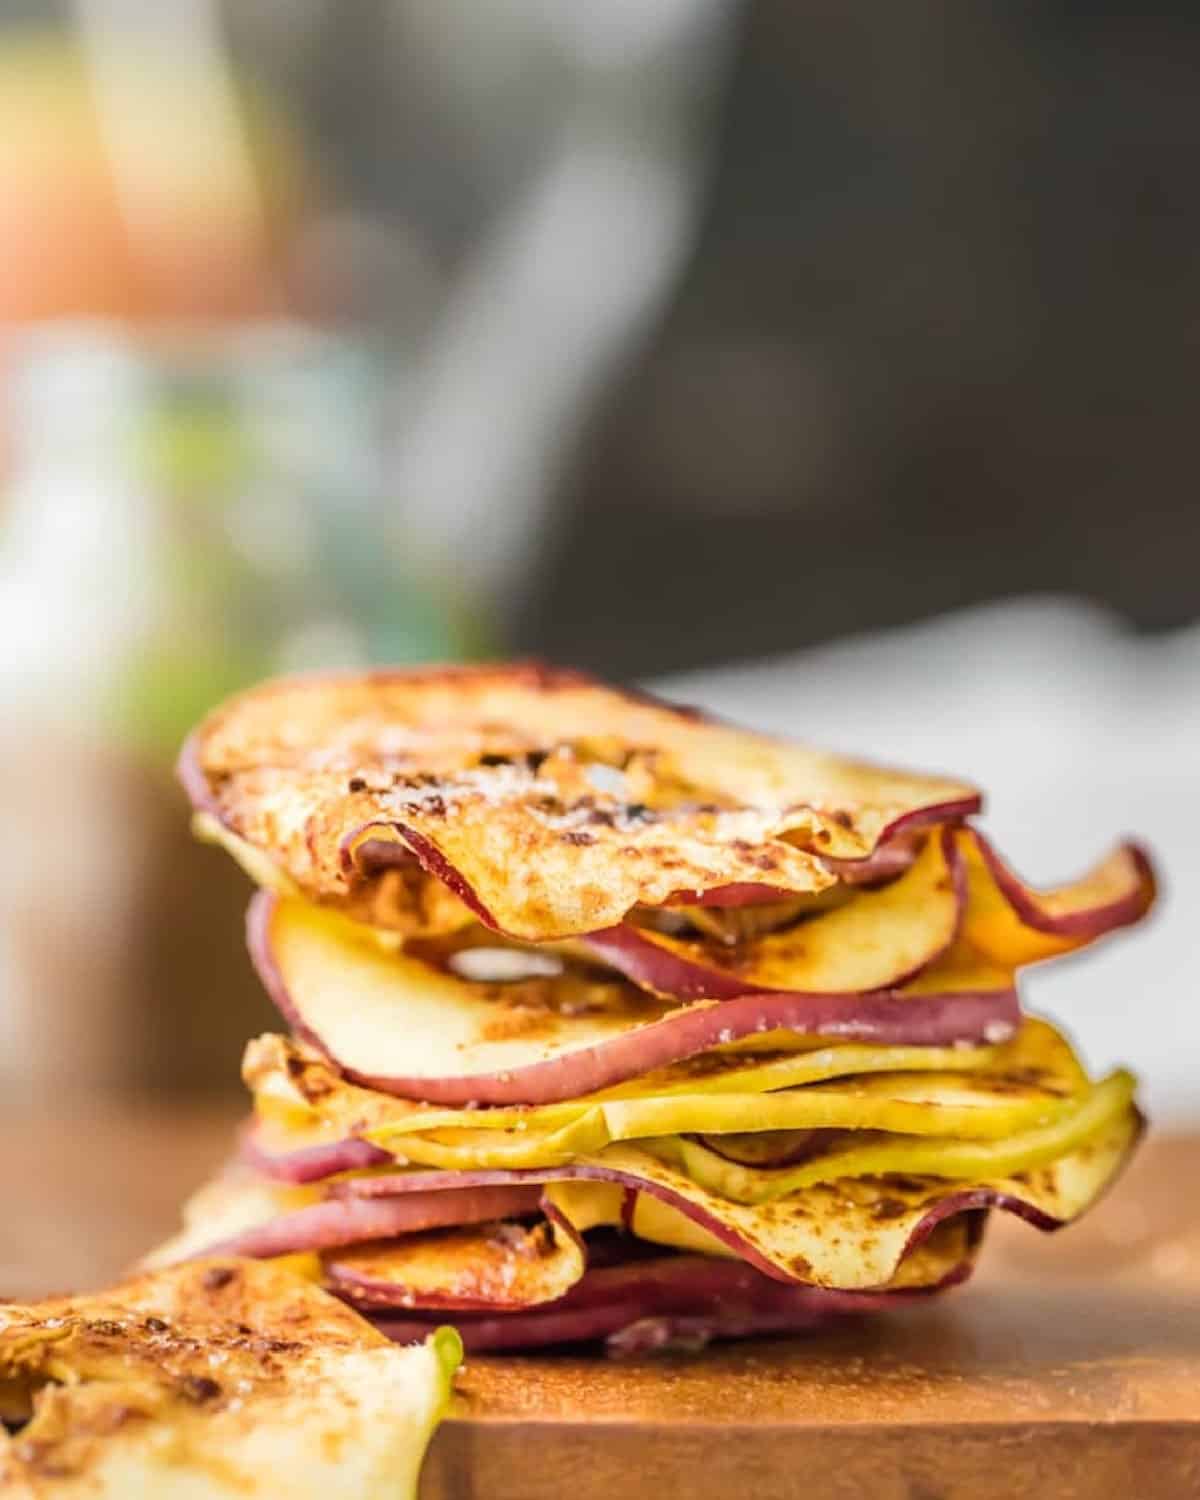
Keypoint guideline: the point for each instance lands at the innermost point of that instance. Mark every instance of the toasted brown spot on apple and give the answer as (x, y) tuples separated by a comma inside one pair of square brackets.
[(200, 1388), (908, 1184), (526, 1021)]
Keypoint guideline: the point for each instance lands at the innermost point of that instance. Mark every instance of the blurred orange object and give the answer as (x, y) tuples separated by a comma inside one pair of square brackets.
[(144, 189)]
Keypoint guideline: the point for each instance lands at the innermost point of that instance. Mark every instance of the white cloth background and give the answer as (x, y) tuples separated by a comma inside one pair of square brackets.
[(1078, 732)]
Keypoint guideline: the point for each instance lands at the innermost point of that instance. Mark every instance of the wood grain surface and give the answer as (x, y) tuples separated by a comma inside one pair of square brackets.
[(1069, 1367)]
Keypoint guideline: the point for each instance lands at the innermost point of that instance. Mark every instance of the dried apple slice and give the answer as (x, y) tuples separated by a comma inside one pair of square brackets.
[(846, 1231), (981, 1106), (451, 1235), (392, 1275), (851, 1217), (614, 800), (327, 1225), (836, 1230), (875, 1154), (982, 1094), (305, 1111), (221, 1378), (676, 1301), (880, 938), (226, 1209), (917, 1104), (877, 940), (856, 1232), (300, 1155), (1014, 924), (401, 1026), (498, 1267), (502, 1267)]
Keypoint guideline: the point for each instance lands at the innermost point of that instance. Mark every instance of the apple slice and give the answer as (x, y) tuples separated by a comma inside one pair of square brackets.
[(853, 1218), (875, 941), (943, 1106), (310, 1162), (305, 1111), (980, 1093), (497, 1267), (220, 1379), (879, 938), (331, 1223), (856, 1232), (613, 800), (1014, 924), (877, 1154), (453, 1244), (817, 1222), (670, 1301), (401, 1026), (842, 1230), (923, 1104), (492, 1265)]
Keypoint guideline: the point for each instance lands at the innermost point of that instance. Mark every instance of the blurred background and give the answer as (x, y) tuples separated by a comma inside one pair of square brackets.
[(834, 364)]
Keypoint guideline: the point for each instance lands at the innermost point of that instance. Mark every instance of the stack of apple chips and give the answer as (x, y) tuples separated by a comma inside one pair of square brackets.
[(609, 1021)]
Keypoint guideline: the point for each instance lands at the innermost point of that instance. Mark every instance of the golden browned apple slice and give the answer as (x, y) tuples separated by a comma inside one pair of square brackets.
[(876, 940), (310, 1122), (406, 1026), (219, 1378), (644, 1305), (549, 803), (957, 887), (1014, 924), (847, 1216)]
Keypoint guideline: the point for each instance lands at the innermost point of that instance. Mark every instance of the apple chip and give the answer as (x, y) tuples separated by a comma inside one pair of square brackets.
[(549, 803), (1014, 924), (406, 1026), (216, 1378)]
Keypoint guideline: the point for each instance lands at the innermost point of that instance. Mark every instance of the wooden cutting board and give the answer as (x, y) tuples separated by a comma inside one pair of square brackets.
[(1069, 1369)]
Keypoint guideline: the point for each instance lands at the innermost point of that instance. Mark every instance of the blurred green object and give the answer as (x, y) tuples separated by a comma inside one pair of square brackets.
[(198, 512)]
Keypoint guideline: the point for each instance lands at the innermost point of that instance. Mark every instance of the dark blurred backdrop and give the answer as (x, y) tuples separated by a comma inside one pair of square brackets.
[(938, 341)]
